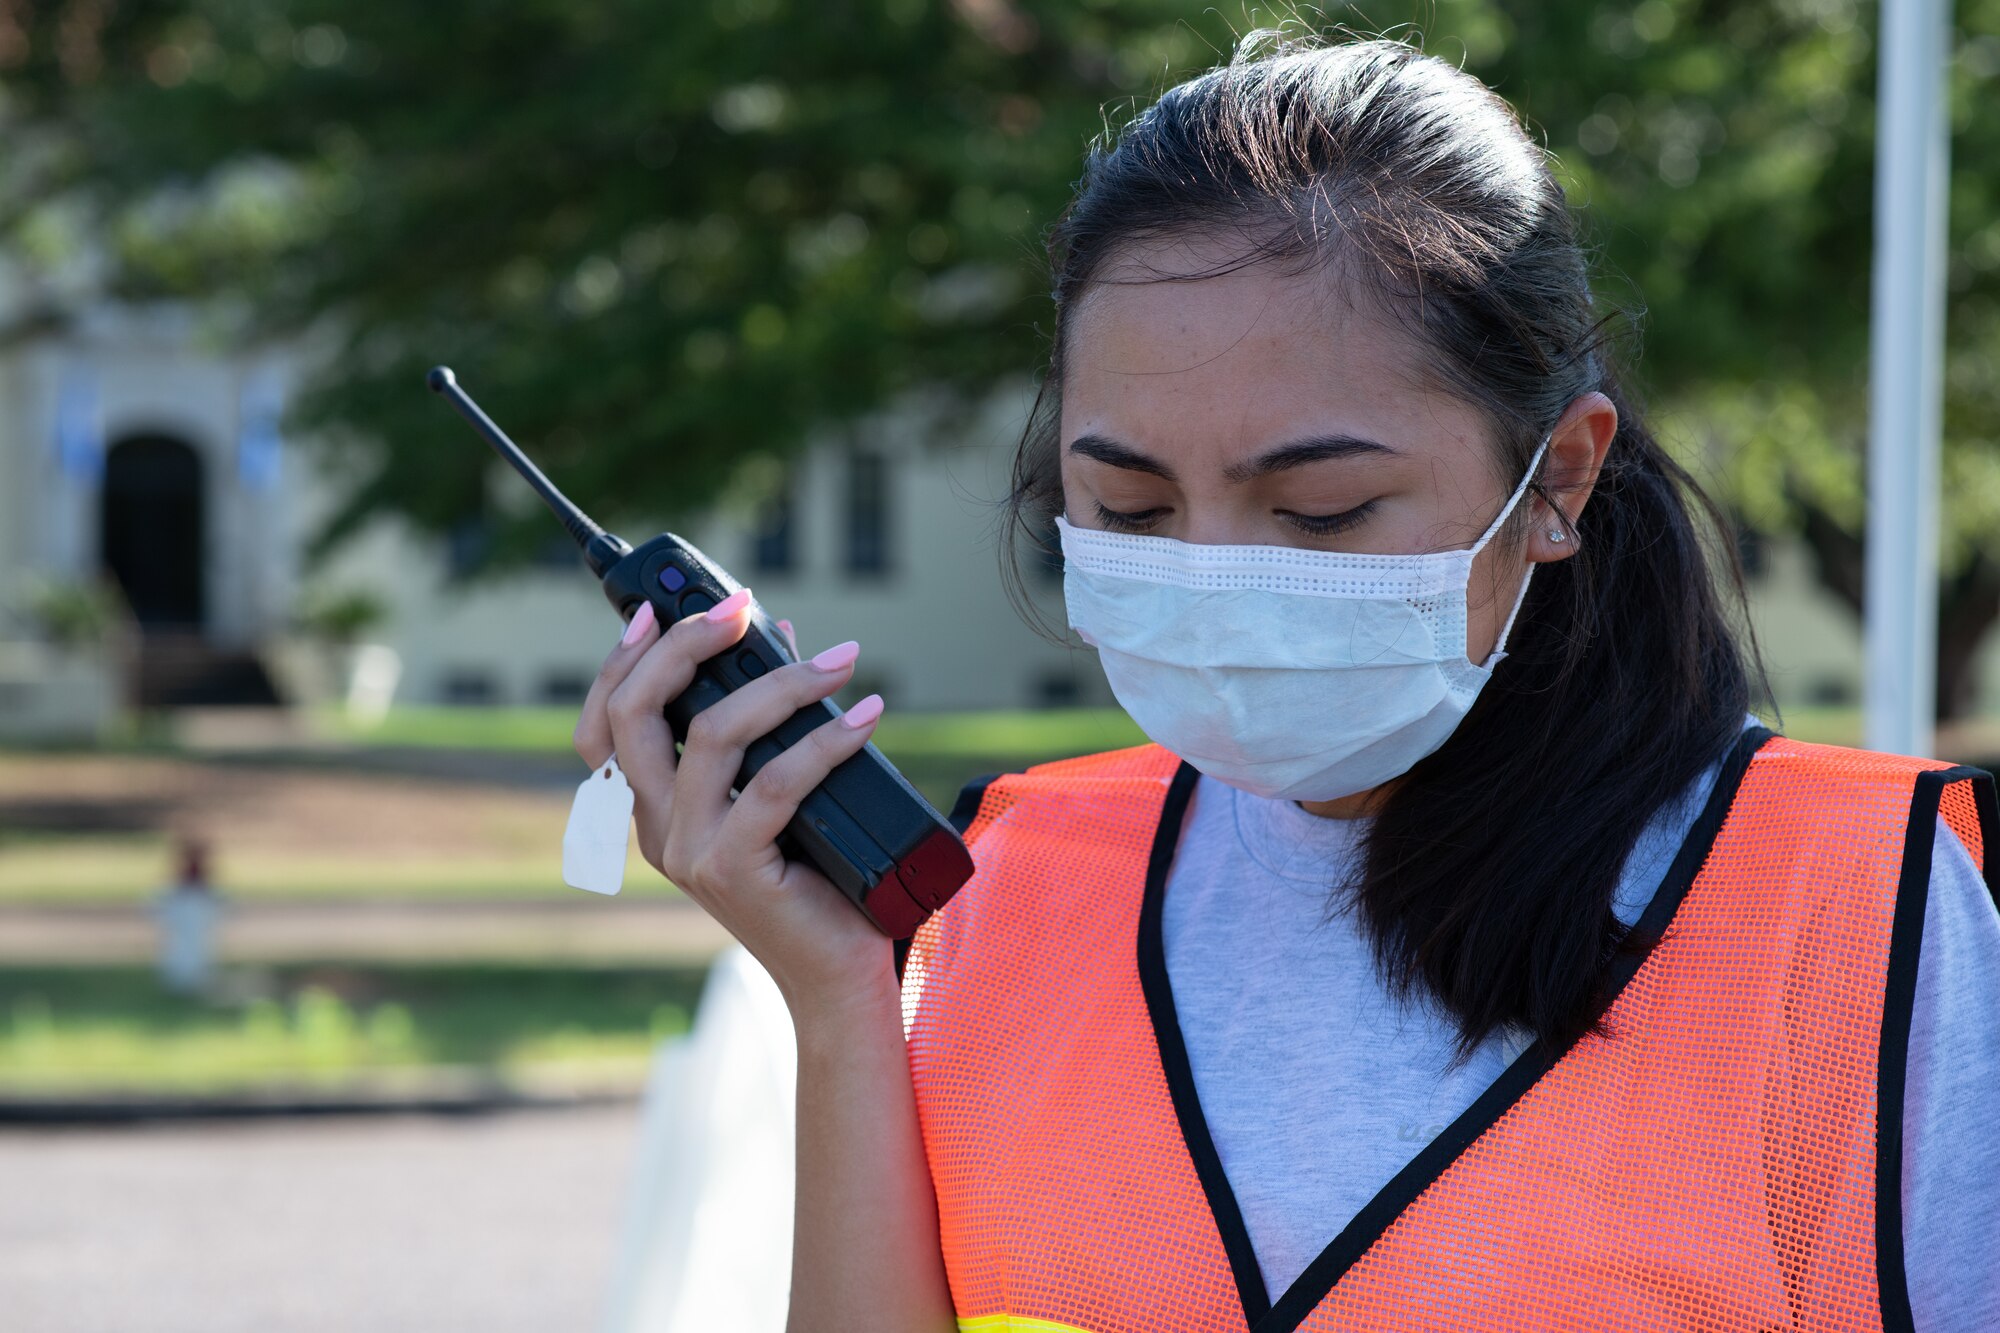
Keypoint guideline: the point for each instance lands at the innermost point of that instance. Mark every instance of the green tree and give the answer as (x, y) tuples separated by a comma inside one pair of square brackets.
[(662, 240), (655, 240), (1726, 152)]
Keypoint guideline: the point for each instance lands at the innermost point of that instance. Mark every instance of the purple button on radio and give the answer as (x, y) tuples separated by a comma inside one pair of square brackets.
[(672, 579)]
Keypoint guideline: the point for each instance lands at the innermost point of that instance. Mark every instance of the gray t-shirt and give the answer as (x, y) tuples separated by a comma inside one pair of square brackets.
[(1318, 1086)]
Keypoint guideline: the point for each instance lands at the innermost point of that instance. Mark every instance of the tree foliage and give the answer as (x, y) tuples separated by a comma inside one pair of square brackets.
[(1727, 152), (662, 240), (655, 240)]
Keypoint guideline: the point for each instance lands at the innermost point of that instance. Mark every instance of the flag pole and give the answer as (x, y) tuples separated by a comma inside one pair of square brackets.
[(1905, 382)]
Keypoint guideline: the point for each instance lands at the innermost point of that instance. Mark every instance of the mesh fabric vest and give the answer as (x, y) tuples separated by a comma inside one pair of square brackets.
[(1727, 1159)]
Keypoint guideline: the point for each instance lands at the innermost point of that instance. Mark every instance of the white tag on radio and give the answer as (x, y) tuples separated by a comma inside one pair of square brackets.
[(600, 823)]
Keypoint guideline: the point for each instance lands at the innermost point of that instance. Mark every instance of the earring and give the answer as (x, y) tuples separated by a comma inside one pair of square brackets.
[(1558, 535)]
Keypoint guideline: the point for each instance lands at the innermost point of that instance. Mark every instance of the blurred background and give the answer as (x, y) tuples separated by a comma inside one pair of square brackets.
[(298, 1026)]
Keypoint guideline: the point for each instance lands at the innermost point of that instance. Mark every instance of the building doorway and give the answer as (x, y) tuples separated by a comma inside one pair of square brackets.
[(153, 531)]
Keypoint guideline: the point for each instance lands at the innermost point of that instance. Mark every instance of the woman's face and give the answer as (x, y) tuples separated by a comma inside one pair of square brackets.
[(1262, 408)]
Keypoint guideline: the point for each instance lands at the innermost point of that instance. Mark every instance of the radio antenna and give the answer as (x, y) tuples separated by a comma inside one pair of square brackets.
[(601, 550)]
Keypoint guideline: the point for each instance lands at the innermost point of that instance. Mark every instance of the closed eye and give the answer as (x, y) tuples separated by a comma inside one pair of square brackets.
[(1136, 520), (1327, 525)]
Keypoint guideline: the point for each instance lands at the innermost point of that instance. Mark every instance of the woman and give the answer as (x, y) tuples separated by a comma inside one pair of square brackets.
[(1461, 955)]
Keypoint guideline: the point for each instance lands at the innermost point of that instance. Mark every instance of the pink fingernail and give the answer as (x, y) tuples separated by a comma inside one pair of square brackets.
[(862, 713), (642, 620), (837, 657), (730, 605)]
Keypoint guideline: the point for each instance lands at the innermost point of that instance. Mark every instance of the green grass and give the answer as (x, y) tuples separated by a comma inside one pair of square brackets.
[(938, 752), (1019, 737), (98, 1030), (521, 730), (1023, 735), (1821, 725)]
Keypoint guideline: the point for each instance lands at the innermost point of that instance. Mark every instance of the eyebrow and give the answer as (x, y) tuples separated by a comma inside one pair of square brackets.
[(1109, 451), (1313, 449)]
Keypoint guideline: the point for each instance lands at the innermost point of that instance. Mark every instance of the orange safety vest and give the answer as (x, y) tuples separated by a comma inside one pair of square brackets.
[(1728, 1159)]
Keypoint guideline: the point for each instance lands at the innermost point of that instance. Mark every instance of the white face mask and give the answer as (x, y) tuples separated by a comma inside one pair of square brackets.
[(1289, 673)]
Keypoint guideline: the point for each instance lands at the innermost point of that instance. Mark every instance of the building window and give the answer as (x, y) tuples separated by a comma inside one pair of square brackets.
[(564, 687), (467, 545), (558, 551), (867, 513), (771, 542), (1056, 689), (865, 683), (470, 686)]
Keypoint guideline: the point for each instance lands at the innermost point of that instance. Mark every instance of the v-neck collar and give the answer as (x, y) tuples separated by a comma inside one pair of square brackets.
[(1311, 1287)]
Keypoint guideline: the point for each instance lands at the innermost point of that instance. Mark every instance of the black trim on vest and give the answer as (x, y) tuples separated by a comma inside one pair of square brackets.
[(963, 811), (1159, 991), (1898, 1002), (1305, 1295), (966, 808)]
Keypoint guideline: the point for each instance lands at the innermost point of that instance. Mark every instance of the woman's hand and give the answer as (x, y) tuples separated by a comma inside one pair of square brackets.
[(863, 1187), (720, 851)]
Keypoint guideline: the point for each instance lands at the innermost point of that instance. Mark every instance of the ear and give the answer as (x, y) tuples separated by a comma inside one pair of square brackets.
[(1569, 474)]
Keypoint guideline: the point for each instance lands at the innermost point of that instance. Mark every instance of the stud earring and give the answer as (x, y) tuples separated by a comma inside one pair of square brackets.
[(1558, 535)]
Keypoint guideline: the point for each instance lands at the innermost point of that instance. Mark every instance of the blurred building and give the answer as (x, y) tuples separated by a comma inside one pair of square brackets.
[(137, 460), (890, 542), (135, 457), (131, 460)]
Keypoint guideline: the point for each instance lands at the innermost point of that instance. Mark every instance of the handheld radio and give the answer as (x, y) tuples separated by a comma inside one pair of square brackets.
[(865, 827)]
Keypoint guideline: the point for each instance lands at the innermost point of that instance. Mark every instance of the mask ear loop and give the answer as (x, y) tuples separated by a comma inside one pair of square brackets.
[(1515, 498), (1520, 598)]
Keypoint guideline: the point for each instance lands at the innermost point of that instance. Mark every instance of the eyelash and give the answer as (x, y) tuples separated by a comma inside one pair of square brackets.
[(1119, 520), (1328, 525), (1317, 525)]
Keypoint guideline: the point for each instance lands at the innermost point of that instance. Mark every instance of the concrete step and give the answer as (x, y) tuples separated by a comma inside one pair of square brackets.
[(179, 669)]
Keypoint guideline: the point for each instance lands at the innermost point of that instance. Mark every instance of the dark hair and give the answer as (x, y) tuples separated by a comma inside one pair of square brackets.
[(1490, 867)]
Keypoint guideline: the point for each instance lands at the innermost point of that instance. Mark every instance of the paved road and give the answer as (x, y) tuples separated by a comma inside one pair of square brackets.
[(502, 1224)]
